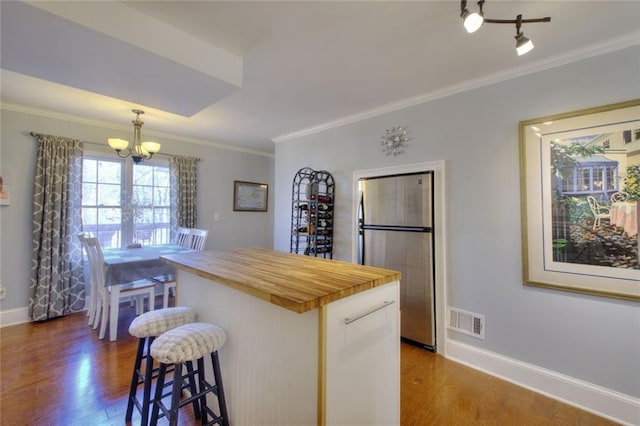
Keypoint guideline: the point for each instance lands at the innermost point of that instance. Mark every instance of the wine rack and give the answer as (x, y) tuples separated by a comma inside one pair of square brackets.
[(312, 214)]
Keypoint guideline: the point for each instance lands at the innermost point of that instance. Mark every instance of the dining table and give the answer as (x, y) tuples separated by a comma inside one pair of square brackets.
[(134, 263), (624, 214)]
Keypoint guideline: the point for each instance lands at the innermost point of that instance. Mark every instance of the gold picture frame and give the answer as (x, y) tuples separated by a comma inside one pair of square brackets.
[(250, 196), (565, 161)]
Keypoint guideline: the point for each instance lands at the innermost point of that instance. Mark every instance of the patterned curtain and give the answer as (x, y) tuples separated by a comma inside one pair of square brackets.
[(57, 282), (183, 172)]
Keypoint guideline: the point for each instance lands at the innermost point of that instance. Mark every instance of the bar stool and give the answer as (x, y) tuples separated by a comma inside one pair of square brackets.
[(191, 342), (146, 328)]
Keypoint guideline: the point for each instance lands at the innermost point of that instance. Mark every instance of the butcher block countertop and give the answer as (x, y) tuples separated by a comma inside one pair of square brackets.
[(292, 281)]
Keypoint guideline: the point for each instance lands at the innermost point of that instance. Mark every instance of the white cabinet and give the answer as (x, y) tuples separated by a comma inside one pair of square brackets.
[(363, 358)]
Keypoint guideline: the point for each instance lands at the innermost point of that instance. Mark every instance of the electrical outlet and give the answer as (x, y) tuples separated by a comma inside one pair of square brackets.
[(3, 292)]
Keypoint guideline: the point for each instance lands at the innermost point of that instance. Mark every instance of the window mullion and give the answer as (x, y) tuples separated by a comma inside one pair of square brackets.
[(127, 195)]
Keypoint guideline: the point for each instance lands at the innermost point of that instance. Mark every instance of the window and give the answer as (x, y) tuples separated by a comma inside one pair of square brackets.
[(150, 203), (124, 203), (590, 178)]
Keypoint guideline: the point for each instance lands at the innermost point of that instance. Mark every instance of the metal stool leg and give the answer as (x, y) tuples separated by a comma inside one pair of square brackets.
[(139, 378), (193, 389), (175, 394), (202, 386), (157, 400), (222, 402), (135, 378), (148, 378)]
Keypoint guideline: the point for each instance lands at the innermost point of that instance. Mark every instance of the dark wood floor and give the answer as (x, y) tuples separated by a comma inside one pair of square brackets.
[(59, 373)]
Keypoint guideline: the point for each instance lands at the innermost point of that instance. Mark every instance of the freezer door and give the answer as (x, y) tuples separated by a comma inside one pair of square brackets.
[(411, 254), (398, 200)]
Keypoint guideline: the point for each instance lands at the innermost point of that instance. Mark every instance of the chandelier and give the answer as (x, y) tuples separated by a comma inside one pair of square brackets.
[(140, 150), (474, 20)]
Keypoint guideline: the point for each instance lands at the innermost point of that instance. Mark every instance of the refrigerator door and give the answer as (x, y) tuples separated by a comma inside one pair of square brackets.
[(400, 201), (411, 254)]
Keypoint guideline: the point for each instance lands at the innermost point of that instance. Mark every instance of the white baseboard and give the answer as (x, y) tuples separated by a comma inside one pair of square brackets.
[(14, 316), (596, 399)]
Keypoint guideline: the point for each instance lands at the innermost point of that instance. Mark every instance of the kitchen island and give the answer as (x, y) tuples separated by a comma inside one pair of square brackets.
[(309, 340)]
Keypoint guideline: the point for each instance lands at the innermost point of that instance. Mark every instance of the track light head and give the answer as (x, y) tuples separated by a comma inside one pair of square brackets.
[(472, 20), (523, 44)]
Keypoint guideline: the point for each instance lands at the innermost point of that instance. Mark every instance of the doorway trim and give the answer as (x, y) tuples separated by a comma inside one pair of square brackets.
[(439, 232)]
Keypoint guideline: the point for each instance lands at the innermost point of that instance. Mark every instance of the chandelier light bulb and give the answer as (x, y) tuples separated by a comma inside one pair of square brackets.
[(118, 144), (151, 147)]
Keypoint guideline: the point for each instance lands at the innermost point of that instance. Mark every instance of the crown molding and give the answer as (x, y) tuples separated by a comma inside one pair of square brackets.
[(108, 125), (611, 45)]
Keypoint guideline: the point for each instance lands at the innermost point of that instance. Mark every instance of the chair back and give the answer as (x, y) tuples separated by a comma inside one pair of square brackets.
[(183, 237), (198, 238), (81, 237), (83, 240), (96, 264), (593, 204), (617, 197)]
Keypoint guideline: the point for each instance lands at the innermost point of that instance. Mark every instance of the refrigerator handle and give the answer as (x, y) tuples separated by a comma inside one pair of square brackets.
[(360, 230), (361, 209)]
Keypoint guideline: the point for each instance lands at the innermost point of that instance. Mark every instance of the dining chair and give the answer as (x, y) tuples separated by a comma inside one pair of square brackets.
[(108, 300), (168, 282), (198, 238), (599, 211), (183, 237), (90, 288)]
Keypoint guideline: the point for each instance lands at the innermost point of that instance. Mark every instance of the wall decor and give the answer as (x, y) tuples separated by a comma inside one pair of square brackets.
[(580, 200), (250, 196), (5, 198), (393, 140)]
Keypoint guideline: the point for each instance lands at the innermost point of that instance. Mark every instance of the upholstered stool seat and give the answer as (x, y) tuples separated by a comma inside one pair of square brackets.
[(154, 323), (146, 328), (182, 345)]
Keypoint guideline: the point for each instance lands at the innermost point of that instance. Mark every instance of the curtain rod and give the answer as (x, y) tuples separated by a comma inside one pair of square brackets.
[(35, 134)]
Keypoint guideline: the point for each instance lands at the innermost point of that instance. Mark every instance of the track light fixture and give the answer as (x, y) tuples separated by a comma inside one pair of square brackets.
[(474, 20)]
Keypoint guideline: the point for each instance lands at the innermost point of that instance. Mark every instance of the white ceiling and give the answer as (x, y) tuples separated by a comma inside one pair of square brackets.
[(244, 73)]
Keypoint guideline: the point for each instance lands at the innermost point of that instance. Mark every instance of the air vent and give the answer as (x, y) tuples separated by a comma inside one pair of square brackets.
[(465, 322)]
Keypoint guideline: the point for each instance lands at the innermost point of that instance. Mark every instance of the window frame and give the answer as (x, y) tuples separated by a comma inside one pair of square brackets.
[(126, 193)]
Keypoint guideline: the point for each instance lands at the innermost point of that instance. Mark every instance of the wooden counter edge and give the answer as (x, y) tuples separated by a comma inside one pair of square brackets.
[(292, 305)]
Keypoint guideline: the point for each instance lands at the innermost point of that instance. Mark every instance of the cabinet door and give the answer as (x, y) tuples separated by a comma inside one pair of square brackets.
[(362, 364)]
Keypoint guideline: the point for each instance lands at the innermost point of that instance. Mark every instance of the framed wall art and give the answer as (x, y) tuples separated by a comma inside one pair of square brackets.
[(580, 189), (5, 197), (250, 196)]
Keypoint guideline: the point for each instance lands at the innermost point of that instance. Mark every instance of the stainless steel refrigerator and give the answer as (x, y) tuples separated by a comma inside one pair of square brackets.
[(395, 227)]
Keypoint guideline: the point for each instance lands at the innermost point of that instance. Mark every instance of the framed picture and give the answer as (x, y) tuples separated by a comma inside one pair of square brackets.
[(5, 198), (580, 189), (250, 196)]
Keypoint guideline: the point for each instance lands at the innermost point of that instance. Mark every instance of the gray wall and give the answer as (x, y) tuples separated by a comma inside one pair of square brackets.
[(217, 170), (594, 339)]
